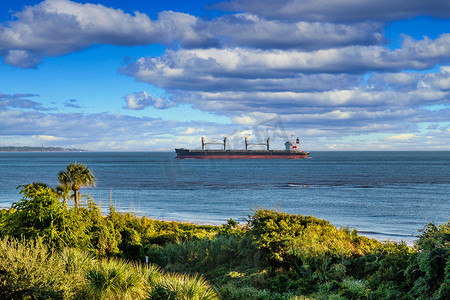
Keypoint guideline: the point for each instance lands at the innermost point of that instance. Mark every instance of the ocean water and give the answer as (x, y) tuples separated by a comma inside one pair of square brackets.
[(386, 195)]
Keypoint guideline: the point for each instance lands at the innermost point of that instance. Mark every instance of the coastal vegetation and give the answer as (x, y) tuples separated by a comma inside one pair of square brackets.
[(50, 250)]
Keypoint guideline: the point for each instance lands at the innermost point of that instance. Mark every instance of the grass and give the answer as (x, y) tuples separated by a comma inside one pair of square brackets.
[(182, 287), (29, 270), (116, 279)]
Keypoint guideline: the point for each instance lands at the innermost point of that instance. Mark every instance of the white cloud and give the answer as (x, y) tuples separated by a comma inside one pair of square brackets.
[(21, 58), (203, 66), (120, 132), (141, 100), (439, 81), (340, 10), (249, 30), (191, 131), (321, 71), (47, 138), (58, 27), (236, 79), (401, 137)]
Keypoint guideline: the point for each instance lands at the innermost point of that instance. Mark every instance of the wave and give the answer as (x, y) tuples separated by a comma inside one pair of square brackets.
[(385, 234), (297, 185)]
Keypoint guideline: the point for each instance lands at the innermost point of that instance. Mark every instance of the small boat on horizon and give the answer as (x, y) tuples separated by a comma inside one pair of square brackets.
[(292, 151)]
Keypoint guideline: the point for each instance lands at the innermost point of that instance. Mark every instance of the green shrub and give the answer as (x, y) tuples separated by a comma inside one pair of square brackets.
[(152, 274), (39, 214), (116, 279), (272, 230), (429, 271), (199, 255), (295, 240), (231, 292), (182, 287), (444, 289), (354, 289), (29, 270)]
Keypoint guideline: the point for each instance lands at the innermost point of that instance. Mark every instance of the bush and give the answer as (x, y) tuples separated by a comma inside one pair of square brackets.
[(29, 270), (39, 214), (182, 287), (115, 279), (296, 240), (429, 271), (232, 292), (272, 230)]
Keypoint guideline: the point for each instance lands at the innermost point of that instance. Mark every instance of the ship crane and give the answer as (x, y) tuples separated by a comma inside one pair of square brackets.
[(267, 143), (224, 143)]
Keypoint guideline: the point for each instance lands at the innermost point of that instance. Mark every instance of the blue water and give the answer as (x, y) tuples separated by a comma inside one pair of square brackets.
[(386, 195)]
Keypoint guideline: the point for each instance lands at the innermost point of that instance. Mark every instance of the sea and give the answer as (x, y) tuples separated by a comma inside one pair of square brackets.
[(384, 195)]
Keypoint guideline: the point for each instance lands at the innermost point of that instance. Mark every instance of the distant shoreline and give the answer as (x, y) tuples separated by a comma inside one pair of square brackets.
[(38, 149)]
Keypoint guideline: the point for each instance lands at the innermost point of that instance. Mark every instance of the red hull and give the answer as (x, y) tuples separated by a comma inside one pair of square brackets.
[(244, 157)]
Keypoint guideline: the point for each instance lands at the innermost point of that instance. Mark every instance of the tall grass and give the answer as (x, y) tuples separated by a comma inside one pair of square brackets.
[(152, 273), (116, 279), (182, 287), (29, 270), (204, 255), (76, 260)]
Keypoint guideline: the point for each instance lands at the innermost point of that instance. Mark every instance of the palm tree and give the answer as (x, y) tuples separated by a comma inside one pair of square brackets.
[(76, 176)]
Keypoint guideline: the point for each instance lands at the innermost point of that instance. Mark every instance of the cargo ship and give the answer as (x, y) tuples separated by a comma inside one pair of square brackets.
[(292, 151)]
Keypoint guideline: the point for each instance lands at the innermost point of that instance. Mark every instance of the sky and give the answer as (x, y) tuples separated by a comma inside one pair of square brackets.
[(110, 75)]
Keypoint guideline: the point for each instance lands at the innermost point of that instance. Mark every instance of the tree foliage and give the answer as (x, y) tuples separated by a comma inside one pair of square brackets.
[(40, 214)]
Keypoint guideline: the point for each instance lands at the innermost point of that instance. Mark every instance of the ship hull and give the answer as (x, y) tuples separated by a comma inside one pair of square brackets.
[(240, 154)]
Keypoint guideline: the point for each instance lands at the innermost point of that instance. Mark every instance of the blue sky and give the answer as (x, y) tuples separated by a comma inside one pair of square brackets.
[(153, 75)]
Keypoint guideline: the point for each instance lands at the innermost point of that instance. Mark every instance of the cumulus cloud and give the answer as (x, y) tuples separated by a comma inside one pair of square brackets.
[(439, 81), (283, 81), (21, 58), (311, 90), (249, 30), (339, 10), (284, 102), (58, 27), (204, 66), (319, 66), (141, 100)]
